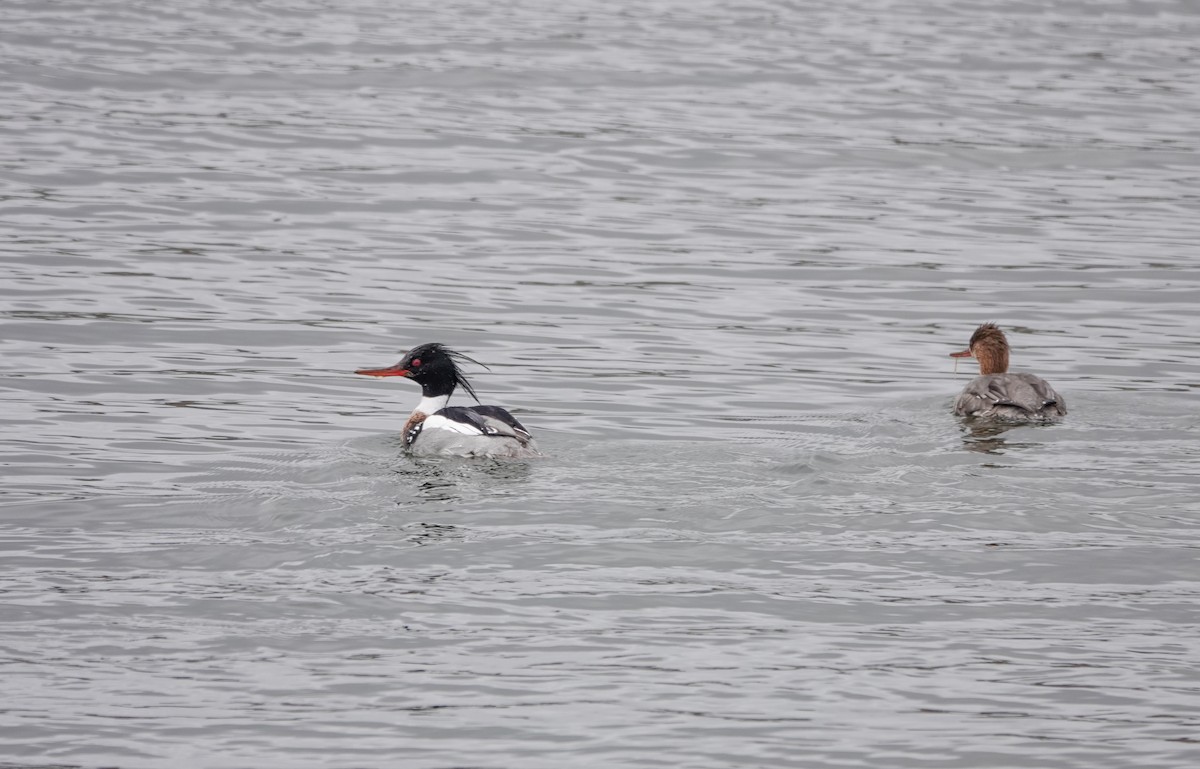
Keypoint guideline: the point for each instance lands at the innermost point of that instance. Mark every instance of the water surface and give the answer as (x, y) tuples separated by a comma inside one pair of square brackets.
[(715, 256)]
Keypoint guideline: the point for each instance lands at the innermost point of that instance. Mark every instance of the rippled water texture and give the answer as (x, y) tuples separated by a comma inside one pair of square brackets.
[(716, 255)]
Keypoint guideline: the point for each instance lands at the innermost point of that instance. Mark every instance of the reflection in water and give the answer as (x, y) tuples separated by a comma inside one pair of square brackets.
[(452, 479), (985, 436), (456, 482), (432, 533)]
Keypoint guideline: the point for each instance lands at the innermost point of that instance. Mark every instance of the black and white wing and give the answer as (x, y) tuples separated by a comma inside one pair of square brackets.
[(500, 422), (474, 431)]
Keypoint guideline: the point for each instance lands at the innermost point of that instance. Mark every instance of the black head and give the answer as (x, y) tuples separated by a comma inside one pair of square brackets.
[(434, 366)]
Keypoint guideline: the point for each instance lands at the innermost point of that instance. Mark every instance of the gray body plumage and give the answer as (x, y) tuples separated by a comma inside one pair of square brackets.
[(1014, 397)]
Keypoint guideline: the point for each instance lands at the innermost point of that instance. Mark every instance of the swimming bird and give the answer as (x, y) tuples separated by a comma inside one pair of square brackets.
[(464, 431), (997, 394)]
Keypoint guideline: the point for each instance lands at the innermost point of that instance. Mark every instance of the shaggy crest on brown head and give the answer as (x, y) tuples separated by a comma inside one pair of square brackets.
[(990, 347), (989, 333)]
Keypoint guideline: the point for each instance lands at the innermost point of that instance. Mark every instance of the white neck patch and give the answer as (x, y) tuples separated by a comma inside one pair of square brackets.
[(431, 406)]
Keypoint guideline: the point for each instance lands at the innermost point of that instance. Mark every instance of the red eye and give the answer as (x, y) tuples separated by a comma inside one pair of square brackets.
[(416, 362)]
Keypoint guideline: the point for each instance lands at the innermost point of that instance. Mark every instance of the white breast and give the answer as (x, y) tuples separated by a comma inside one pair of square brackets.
[(439, 422)]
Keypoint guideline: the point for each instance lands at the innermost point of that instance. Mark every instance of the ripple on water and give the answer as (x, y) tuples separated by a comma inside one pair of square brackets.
[(716, 257)]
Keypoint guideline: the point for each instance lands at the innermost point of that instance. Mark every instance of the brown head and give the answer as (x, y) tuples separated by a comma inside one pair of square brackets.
[(988, 346)]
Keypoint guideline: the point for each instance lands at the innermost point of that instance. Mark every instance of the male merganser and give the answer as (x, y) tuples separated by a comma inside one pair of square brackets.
[(996, 394), (435, 428)]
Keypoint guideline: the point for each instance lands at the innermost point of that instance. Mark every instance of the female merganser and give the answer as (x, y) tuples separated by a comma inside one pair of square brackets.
[(996, 394), (435, 428)]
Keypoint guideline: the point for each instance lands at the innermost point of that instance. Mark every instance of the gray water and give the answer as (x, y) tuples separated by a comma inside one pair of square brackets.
[(715, 255)]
